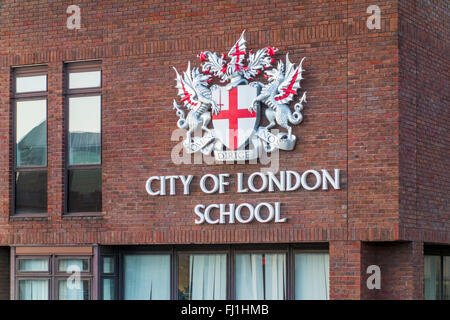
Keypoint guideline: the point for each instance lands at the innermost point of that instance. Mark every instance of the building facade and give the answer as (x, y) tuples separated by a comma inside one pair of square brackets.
[(86, 118)]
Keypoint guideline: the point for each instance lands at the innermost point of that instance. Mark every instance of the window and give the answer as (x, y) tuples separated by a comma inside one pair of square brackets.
[(216, 272), (261, 276), (109, 277), (33, 265), (30, 140), (147, 277), (36, 279), (202, 276), (79, 265), (34, 289), (437, 276), (84, 163), (71, 290), (312, 276)]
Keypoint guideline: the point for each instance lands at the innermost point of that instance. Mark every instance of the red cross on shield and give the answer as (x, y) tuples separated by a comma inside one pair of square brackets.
[(235, 124)]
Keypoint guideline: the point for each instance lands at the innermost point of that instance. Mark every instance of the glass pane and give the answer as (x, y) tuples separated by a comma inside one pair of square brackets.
[(80, 265), (31, 133), (446, 282), (312, 276), (33, 265), (85, 190), (72, 289), (88, 79), (147, 277), (33, 290), (84, 130), (31, 84), (108, 289), (202, 276), (108, 264), (261, 276), (31, 192), (432, 277)]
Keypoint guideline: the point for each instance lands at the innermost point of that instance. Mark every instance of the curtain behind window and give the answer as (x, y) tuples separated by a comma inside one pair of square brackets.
[(207, 276), (432, 275), (70, 264), (147, 277), (33, 265), (312, 276), (261, 276), (33, 290), (70, 290)]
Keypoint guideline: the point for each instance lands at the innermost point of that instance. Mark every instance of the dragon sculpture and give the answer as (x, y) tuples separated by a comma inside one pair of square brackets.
[(235, 71), (239, 71), (279, 92), (196, 96)]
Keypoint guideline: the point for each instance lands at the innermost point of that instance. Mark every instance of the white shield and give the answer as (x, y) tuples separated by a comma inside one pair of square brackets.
[(235, 124)]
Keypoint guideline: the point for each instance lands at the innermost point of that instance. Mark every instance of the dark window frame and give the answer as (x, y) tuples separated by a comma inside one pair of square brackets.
[(33, 277), (139, 252), (111, 275), (62, 257), (440, 252), (229, 249), (48, 258), (199, 252), (57, 278), (280, 250), (53, 275), (80, 66), (28, 96)]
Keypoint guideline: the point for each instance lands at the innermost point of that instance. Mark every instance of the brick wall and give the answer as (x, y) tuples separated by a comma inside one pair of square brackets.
[(350, 119), (377, 109), (424, 127), (372, 111), (4, 273), (401, 265), (345, 270)]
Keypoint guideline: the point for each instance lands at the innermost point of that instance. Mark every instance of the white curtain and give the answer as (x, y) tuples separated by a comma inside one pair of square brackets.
[(70, 290), (147, 277), (33, 265), (275, 276), (312, 273), (260, 276), (71, 264), (33, 289), (207, 276), (432, 275)]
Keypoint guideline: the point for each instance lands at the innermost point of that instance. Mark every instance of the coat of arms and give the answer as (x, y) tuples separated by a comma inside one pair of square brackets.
[(228, 116)]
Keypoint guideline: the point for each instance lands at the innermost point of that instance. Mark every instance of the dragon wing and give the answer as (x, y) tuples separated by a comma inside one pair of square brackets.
[(259, 61), (291, 83), (237, 55), (214, 65), (186, 89)]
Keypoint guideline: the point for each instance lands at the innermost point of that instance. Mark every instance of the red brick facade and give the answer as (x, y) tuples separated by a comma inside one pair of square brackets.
[(377, 109)]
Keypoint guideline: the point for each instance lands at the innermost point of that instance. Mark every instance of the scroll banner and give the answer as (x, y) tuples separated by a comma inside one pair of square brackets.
[(239, 155), (271, 143), (279, 141), (200, 144)]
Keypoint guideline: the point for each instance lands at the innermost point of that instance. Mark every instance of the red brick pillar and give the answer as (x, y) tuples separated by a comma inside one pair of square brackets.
[(417, 275), (401, 265), (345, 270)]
